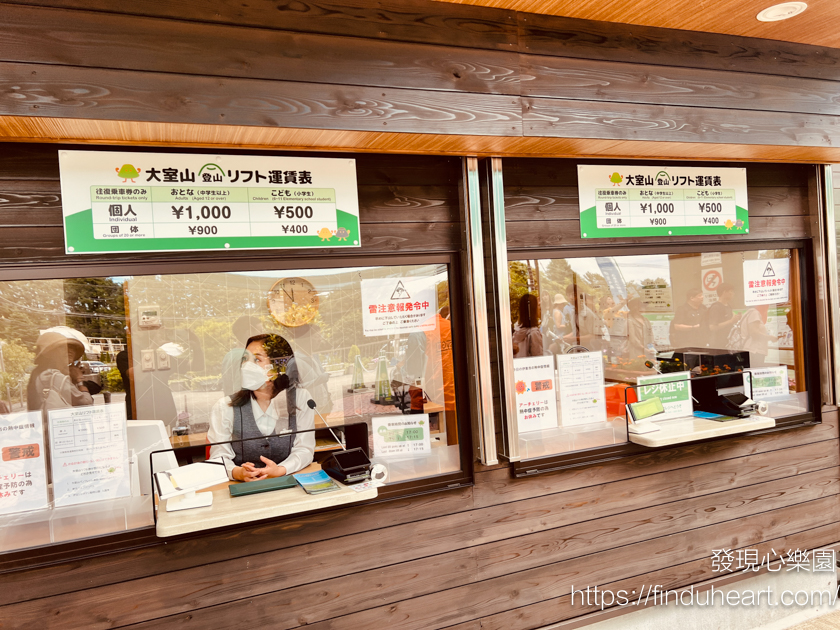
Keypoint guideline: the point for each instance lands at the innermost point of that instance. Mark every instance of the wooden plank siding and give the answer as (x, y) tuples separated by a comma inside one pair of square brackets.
[(409, 205), (416, 68), (464, 560), (542, 211), (505, 553)]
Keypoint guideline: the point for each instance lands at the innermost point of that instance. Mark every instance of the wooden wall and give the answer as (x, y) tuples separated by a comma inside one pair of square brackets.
[(500, 555), (407, 205), (422, 68), (542, 211)]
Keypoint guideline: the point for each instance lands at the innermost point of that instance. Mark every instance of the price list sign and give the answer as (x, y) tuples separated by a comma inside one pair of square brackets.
[(119, 201), (631, 201)]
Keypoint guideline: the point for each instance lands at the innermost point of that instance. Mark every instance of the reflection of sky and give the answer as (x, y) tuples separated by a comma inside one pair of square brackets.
[(633, 268)]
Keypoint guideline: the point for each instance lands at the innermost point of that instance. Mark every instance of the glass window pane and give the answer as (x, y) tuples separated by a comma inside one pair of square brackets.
[(631, 317), (99, 372)]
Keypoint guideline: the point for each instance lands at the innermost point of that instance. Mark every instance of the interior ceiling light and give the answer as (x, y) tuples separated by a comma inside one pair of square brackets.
[(781, 11)]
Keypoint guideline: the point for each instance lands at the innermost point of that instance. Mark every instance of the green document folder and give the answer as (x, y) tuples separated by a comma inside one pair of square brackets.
[(263, 485)]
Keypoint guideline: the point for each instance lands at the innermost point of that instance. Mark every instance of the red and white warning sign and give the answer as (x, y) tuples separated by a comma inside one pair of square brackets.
[(766, 281), (711, 279), (398, 305)]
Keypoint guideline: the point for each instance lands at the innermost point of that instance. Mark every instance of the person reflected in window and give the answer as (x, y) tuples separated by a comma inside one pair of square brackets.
[(570, 311), (689, 328), (592, 330), (527, 338), (268, 406), (721, 317), (125, 371), (56, 381), (639, 332), (754, 332), (556, 328)]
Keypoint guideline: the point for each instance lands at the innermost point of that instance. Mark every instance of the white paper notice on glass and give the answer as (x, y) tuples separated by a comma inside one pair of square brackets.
[(23, 476), (581, 385), (536, 399), (89, 454), (673, 389), (766, 281), (768, 382), (398, 305), (401, 436)]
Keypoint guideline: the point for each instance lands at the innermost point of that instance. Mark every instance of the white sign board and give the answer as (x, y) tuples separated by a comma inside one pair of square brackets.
[(23, 477), (673, 389), (766, 281), (121, 201), (536, 399), (581, 385), (631, 200), (710, 258), (89, 454), (401, 436), (766, 382), (398, 305), (657, 297)]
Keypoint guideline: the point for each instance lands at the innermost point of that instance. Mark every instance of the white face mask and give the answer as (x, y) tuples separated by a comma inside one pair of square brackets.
[(253, 376)]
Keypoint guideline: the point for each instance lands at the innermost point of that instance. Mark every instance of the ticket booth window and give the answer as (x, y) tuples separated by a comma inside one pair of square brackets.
[(587, 331), (98, 372)]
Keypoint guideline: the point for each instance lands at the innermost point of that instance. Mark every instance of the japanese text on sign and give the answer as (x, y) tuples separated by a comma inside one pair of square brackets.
[(650, 201), (152, 202), (23, 477), (398, 305), (401, 435)]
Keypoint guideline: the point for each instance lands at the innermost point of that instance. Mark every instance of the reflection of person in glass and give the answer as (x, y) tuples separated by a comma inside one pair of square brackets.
[(754, 332), (639, 331), (527, 338), (591, 332), (58, 370), (267, 406), (689, 327), (721, 316), (556, 328)]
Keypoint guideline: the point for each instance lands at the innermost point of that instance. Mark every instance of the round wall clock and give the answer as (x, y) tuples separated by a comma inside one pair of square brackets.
[(293, 302)]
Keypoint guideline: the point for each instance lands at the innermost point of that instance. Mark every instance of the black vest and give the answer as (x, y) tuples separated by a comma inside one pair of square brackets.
[(275, 447)]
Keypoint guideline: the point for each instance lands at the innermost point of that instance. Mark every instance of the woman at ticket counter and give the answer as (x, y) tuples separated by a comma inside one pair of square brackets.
[(268, 406)]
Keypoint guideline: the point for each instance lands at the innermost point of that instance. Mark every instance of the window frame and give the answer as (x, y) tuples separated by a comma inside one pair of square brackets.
[(259, 260), (810, 334)]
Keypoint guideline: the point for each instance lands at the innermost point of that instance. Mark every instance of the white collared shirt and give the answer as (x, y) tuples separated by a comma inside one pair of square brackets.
[(303, 445)]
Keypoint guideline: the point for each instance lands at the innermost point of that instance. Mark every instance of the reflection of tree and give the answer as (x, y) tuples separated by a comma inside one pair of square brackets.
[(518, 278), (96, 307), (16, 361), (28, 306), (556, 277)]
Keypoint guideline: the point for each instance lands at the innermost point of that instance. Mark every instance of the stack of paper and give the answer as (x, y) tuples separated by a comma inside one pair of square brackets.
[(189, 478)]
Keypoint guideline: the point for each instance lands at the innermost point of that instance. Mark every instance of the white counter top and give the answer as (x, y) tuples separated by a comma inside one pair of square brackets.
[(692, 429), (227, 510)]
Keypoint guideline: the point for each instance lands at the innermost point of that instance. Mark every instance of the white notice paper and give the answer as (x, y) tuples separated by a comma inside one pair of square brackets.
[(536, 402), (766, 281), (401, 436), (398, 305), (581, 384), (23, 477), (89, 454), (766, 382)]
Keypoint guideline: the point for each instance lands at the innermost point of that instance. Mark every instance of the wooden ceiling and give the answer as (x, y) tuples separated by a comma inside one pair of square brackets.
[(817, 25)]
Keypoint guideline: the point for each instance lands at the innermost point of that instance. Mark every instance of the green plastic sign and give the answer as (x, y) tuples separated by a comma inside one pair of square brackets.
[(633, 201), (153, 202)]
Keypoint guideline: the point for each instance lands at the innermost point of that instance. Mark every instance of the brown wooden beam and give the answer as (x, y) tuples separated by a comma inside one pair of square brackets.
[(112, 132)]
